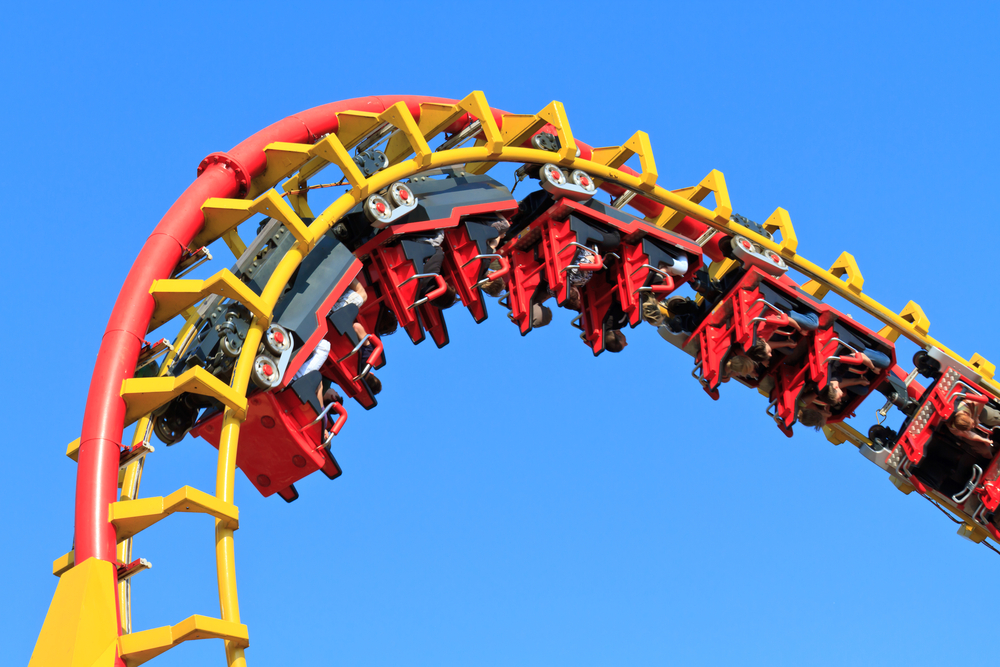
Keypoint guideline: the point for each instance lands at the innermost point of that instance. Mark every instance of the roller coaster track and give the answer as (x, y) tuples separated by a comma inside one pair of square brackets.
[(89, 619)]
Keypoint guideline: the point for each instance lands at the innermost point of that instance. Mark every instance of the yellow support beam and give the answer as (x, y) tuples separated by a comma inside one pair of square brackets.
[(64, 563), (133, 516), (844, 266), (352, 126), (399, 116), (283, 158), (73, 450), (842, 432), (555, 115), (140, 647), (983, 366), (235, 243), (298, 201), (912, 314), (273, 205), (616, 156), (515, 129), (333, 151), (780, 221), (714, 183), (144, 395), (221, 217), (476, 105), (436, 117), (972, 533), (81, 626), (904, 487), (173, 296)]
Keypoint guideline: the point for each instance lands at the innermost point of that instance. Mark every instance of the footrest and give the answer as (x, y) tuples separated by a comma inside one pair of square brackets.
[(133, 516), (140, 647)]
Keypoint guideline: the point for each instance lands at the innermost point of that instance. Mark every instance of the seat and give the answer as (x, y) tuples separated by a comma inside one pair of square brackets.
[(789, 383), (467, 256), (395, 269), (636, 268), (281, 440), (342, 365)]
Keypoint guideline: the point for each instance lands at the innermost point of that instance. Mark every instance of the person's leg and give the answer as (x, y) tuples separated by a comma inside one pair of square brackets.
[(316, 360), (879, 359), (808, 321), (431, 265), (989, 416)]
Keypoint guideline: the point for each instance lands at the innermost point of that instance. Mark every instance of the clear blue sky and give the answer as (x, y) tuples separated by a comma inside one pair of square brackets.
[(514, 501)]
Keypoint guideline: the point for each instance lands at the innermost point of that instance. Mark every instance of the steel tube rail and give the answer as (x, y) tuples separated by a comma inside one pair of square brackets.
[(231, 175)]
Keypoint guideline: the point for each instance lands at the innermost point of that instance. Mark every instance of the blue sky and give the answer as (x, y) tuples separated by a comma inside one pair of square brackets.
[(515, 501)]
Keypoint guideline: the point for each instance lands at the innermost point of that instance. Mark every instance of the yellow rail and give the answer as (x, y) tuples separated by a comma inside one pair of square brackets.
[(223, 216)]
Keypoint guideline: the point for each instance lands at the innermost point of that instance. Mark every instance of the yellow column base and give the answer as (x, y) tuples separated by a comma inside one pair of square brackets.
[(81, 626)]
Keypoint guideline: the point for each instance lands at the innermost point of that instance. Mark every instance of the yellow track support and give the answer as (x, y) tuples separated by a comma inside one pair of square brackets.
[(140, 647), (144, 395), (174, 296), (73, 449), (91, 636), (713, 184), (133, 516)]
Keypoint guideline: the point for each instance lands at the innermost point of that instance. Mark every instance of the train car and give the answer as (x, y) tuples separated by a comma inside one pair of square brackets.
[(626, 256), (956, 467), (283, 437), (757, 308)]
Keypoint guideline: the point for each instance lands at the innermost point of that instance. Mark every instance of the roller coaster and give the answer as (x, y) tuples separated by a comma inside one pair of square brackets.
[(273, 352)]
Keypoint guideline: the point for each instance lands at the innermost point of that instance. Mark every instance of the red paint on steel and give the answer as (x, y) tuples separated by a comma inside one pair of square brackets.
[(220, 175)]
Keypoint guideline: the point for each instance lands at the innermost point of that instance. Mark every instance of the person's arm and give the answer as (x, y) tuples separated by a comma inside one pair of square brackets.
[(853, 382), (975, 409), (778, 344), (360, 289), (982, 445)]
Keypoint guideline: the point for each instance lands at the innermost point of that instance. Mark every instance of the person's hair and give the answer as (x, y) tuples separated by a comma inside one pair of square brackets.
[(544, 315), (614, 340), (574, 300), (826, 395), (494, 287), (811, 418), (374, 384), (446, 300), (758, 351), (386, 322), (961, 420), (741, 365)]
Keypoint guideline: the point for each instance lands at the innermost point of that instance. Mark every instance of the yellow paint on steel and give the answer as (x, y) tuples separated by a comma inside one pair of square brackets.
[(499, 146), (80, 628), (713, 184), (143, 395), (781, 222), (235, 243), (132, 516), (73, 449), (141, 647), (64, 563), (173, 296)]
